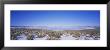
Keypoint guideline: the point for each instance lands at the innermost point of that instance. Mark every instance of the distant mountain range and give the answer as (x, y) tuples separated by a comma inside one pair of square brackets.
[(59, 27)]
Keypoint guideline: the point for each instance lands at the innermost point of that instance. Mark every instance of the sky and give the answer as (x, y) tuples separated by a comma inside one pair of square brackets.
[(55, 18)]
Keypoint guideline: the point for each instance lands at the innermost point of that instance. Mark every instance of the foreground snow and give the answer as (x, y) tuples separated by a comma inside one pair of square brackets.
[(62, 37), (22, 37)]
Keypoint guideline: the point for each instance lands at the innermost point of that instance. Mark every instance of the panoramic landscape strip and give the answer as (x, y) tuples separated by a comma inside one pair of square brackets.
[(55, 25)]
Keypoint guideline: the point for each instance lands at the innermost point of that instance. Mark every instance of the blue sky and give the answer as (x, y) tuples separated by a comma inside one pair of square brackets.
[(55, 18)]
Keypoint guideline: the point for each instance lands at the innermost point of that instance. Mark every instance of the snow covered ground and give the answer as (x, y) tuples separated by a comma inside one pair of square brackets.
[(67, 37), (62, 37), (22, 37), (44, 38), (82, 37), (55, 33)]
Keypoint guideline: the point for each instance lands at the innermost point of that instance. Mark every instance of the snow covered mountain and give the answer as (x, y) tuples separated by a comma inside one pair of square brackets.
[(58, 27)]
